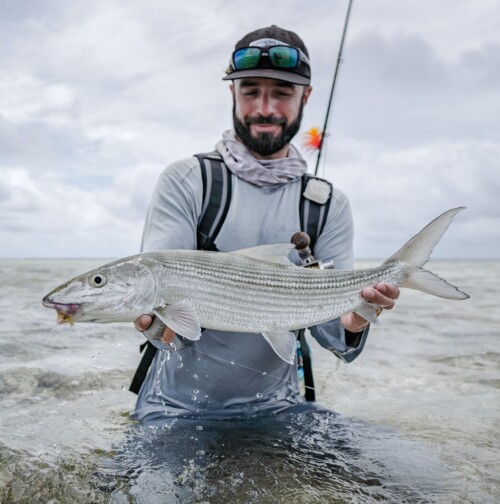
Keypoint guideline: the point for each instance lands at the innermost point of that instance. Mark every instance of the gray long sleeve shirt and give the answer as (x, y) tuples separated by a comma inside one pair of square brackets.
[(227, 374)]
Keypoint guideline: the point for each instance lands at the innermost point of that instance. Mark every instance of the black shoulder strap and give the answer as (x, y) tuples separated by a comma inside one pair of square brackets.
[(312, 220), (144, 365), (217, 189), (313, 214), (309, 393)]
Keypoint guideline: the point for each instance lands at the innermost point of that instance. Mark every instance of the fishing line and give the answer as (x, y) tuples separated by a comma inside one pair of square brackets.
[(324, 161), (232, 363)]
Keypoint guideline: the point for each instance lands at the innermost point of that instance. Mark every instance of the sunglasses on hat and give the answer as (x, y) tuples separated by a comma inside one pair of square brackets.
[(280, 56)]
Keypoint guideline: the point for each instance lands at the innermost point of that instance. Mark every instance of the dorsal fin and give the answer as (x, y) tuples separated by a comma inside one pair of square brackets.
[(278, 253)]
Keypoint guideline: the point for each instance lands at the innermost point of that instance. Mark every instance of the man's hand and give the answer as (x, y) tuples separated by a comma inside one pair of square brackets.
[(145, 321), (382, 294)]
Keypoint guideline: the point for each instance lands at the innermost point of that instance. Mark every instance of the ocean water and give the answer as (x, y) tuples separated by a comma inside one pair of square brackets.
[(417, 415)]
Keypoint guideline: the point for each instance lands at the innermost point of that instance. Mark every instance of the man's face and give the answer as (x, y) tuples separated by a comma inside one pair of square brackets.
[(267, 114)]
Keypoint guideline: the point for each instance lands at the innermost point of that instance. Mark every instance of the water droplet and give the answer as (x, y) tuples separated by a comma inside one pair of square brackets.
[(193, 398), (179, 366), (195, 376), (196, 391), (264, 373), (233, 363), (158, 375), (200, 452), (199, 427), (258, 395)]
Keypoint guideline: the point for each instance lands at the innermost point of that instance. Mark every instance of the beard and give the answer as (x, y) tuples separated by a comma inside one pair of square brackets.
[(266, 144)]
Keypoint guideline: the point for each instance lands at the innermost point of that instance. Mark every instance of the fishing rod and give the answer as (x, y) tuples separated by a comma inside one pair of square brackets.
[(328, 108)]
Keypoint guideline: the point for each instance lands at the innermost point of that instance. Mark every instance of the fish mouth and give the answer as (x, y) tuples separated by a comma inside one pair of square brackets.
[(65, 311)]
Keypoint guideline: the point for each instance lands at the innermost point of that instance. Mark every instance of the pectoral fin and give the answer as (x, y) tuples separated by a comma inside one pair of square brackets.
[(283, 343), (182, 318)]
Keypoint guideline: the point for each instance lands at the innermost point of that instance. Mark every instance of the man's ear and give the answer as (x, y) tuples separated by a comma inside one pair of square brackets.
[(307, 92), (231, 87)]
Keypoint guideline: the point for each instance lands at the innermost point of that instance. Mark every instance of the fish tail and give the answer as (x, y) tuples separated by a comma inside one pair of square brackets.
[(416, 252)]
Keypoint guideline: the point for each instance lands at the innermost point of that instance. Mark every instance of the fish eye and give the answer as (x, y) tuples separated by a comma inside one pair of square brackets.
[(98, 280)]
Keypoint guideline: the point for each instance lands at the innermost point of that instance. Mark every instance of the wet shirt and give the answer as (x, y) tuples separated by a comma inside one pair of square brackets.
[(227, 374)]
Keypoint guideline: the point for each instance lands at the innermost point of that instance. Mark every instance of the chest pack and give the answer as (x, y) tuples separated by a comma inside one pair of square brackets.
[(217, 190)]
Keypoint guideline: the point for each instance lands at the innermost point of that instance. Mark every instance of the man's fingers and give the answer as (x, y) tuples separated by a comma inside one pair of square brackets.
[(382, 295), (155, 329), (143, 322), (391, 291), (168, 335)]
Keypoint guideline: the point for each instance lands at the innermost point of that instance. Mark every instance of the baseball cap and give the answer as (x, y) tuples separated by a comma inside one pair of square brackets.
[(293, 67)]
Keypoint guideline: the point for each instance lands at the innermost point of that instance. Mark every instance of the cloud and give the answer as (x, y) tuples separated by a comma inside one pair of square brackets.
[(96, 98), (53, 217), (398, 92), (395, 192)]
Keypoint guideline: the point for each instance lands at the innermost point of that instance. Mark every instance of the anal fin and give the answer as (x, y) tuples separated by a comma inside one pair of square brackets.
[(283, 343)]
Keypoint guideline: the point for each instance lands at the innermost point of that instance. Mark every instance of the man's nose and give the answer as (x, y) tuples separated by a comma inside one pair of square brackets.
[(266, 105)]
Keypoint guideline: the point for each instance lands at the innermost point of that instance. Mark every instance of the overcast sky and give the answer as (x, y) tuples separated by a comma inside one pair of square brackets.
[(96, 98)]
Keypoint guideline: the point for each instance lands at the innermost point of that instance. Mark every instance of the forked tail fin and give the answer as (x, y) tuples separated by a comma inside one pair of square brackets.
[(416, 252)]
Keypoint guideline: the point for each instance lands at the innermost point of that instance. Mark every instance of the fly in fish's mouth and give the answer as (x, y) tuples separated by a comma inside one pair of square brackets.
[(65, 311)]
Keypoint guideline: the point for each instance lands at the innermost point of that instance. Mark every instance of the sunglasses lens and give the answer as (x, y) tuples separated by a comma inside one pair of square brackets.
[(284, 57), (246, 58)]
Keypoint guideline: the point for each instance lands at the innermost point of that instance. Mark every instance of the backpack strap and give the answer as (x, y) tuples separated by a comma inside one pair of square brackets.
[(306, 364), (217, 190), (144, 365), (315, 201)]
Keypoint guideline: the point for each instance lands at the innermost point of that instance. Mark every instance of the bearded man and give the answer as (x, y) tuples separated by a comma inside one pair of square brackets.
[(226, 374)]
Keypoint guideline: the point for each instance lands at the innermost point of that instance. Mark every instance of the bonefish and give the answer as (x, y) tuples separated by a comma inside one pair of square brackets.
[(255, 290)]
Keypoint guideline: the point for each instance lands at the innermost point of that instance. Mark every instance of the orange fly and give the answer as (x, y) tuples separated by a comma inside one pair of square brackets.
[(312, 139)]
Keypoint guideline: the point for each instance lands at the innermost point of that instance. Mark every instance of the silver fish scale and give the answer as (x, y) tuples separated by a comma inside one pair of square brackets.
[(237, 293)]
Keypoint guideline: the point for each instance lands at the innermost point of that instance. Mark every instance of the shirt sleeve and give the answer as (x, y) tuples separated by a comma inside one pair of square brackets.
[(336, 243), (174, 209)]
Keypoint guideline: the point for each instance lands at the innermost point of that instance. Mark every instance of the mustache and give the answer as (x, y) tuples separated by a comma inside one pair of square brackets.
[(265, 120)]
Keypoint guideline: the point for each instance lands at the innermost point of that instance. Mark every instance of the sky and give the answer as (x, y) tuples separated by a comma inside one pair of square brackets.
[(96, 98)]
